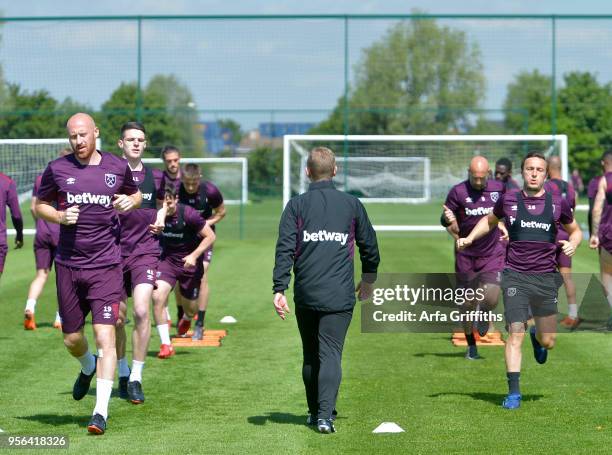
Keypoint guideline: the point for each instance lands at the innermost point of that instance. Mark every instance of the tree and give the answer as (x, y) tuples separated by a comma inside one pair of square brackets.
[(334, 124), (266, 171), (30, 115), (585, 115), (171, 114), (483, 125), (419, 78), (583, 110), (167, 112), (117, 110), (34, 115), (69, 107), (527, 106)]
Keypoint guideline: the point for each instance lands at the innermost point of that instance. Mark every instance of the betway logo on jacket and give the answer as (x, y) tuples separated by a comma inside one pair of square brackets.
[(535, 225), (478, 211), (88, 198), (324, 236)]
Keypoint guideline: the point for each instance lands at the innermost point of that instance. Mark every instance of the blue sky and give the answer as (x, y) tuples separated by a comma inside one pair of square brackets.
[(262, 66), (117, 7)]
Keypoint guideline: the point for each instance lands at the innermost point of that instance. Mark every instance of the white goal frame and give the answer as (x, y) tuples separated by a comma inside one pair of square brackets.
[(383, 159), (560, 138), (244, 163), (64, 141)]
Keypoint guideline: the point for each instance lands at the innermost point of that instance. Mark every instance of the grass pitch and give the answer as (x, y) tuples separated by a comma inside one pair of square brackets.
[(247, 396)]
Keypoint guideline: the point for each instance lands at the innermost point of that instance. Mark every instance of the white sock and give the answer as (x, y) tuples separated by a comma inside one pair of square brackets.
[(104, 388), (124, 370), (572, 310), (168, 314), (88, 363), (136, 374), (164, 333), (30, 305), (57, 317)]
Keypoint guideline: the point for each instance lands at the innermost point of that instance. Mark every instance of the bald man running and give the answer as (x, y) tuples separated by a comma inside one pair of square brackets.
[(556, 185), (480, 265), (83, 192)]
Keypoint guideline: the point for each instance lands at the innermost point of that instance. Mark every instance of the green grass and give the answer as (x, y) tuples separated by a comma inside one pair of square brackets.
[(261, 218), (247, 396)]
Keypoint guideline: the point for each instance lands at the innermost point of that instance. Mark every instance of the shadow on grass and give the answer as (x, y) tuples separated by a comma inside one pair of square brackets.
[(282, 418), (178, 353), (57, 420), (46, 325), (494, 398), (90, 393), (440, 354)]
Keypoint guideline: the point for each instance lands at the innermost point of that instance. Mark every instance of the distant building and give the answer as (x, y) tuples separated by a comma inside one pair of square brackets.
[(270, 134), (217, 138), (272, 130)]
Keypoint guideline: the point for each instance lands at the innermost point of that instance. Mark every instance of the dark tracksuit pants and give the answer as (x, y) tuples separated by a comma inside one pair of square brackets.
[(323, 337)]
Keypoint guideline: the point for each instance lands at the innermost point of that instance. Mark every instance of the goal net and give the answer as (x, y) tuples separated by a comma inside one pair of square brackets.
[(230, 175), (406, 178), (409, 169), (24, 159)]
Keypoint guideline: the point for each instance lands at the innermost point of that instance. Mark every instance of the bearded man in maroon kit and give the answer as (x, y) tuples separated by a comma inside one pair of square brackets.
[(88, 188)]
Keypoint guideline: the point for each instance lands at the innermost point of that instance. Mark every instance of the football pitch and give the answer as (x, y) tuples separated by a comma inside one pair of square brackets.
[(247, 396)]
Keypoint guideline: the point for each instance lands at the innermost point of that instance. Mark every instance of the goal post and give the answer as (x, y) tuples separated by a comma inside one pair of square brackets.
[(230, 175), (431, 164), (356, 173), (390, 170), (24, 159)]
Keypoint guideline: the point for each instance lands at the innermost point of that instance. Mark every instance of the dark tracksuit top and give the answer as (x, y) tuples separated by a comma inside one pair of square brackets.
[(317, 234)]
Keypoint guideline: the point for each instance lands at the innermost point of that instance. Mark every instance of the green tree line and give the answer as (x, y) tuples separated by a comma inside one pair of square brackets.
[(420, 77), (424, 78), (166, 110), (583, 111)]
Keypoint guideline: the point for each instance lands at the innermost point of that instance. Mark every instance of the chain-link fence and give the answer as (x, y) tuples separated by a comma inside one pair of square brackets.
[(233, 85)]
